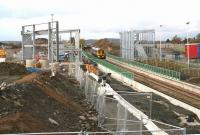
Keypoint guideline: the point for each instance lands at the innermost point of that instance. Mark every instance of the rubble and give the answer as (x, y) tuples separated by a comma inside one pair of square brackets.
[(38, 103), (3, 86), (82, 117), (12, 69), (53, 121)]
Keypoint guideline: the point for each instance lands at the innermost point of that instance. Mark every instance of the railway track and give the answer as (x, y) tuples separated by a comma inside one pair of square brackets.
[(171, 90)]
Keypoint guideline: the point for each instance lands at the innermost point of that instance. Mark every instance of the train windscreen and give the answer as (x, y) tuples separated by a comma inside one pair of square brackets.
[(101, 52)]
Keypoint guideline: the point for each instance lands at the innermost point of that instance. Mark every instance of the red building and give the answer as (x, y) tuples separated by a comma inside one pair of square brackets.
[(194, 50)]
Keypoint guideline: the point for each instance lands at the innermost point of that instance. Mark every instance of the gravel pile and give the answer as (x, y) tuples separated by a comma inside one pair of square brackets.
[(44, 104)]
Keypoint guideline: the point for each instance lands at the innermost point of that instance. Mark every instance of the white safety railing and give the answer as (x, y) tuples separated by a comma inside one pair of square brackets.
[(117, 114)]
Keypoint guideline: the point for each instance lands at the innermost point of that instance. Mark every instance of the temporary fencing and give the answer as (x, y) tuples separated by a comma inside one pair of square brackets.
[(116, 112)]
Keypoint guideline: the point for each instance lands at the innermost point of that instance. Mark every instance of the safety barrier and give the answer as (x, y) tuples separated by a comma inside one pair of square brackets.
[(158, 70), (112, 67), (118, 111)]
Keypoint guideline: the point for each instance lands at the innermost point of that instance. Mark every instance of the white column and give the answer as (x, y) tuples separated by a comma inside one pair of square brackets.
[(188, 47)]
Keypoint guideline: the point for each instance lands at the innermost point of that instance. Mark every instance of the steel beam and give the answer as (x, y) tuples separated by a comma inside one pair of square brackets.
[(22, 33), (57, 41), (49, 40), (33, 56)]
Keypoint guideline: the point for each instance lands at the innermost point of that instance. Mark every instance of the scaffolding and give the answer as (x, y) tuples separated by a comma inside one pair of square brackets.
[(70, 51), (53, 34), (56, 47), (29, 45), (137, 44)]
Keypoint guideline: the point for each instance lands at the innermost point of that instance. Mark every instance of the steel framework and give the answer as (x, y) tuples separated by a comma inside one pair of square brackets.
[(137, 43), (30, 32)]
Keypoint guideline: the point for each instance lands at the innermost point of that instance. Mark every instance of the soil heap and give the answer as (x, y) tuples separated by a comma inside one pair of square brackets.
[(12, 69), (38, 103)]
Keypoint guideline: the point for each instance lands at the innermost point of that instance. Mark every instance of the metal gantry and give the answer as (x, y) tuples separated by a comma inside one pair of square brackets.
[(137, 43), (54, 46), (31, 32)]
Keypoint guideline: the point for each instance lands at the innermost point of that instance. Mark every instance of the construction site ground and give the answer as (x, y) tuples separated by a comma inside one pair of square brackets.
[(162, 110), (38, 103)]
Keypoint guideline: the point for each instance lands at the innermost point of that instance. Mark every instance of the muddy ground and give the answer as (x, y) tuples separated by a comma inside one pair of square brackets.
[(38, 103), (162, 109)]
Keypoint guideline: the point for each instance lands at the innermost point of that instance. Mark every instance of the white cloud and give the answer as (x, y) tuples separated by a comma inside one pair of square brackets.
[(100, 18)]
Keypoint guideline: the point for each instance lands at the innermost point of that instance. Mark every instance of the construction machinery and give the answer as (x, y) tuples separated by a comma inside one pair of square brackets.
[(37, 65), (2, 54), (89, 67)]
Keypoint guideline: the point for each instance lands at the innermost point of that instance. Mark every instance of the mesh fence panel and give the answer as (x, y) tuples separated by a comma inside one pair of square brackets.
[(115, 117), (142, 101), (110, 114)]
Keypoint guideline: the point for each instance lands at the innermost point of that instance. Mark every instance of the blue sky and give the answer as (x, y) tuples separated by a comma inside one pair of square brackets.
[(102, 18)]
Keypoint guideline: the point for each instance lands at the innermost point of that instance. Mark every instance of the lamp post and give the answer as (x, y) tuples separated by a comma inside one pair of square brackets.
[(188, 48), (160, 44)]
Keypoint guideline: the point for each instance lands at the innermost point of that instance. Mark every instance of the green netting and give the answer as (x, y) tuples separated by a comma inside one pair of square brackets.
[(158, 70), (112, 67)]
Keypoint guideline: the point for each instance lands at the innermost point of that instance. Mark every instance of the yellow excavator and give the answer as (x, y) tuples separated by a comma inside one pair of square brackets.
[(2, 52), (91, 68)]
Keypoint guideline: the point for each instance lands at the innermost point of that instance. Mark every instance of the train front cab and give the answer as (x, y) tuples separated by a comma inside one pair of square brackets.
[(101, 54)]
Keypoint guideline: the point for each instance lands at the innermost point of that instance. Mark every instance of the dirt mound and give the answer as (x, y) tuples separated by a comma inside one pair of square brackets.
[(28, 78), (38, 103), (19, 122), (12, 69)]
